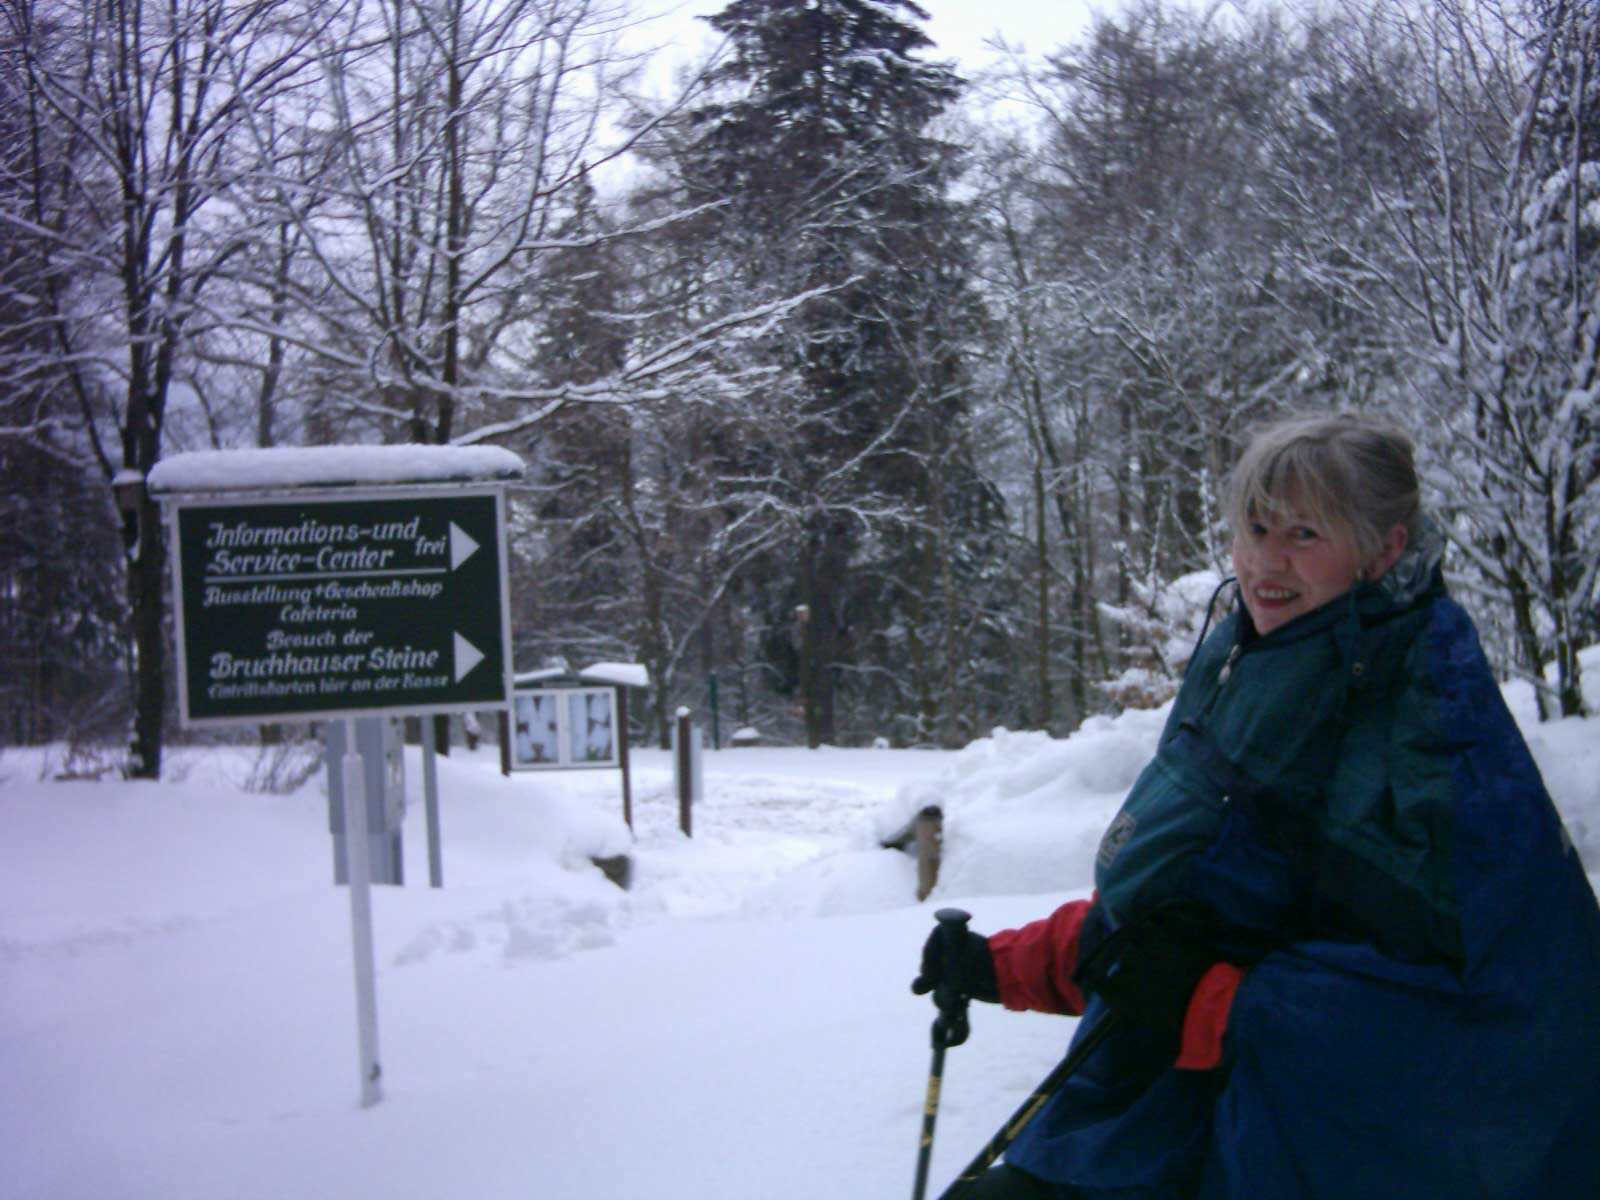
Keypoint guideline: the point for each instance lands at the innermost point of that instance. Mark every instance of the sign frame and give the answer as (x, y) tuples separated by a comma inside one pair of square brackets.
[(175, 504), (560, 726)]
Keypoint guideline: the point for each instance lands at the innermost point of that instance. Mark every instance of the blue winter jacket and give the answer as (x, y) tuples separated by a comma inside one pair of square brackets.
[(1354, 784)]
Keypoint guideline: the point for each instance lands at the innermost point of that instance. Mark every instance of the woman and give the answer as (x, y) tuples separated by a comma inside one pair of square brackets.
[(1350, 949)]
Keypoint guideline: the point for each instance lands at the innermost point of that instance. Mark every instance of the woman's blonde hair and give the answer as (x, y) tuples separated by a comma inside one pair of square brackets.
[(1345, 473)]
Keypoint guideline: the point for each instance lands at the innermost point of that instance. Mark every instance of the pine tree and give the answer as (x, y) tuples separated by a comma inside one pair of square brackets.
[(818, 144), (61, 615), (581, 456)]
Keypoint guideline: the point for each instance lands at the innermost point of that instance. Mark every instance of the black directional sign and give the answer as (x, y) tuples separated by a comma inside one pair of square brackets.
[(304, 607)]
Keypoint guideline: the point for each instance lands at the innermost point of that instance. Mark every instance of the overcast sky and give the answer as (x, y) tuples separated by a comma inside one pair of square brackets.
[(959, 27)]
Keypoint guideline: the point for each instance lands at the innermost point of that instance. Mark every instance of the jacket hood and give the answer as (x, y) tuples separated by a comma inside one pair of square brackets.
[(1416, 569)]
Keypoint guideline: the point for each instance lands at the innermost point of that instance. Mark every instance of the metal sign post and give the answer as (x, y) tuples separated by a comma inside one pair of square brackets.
[(430, 801), (378, 745), (355, 793)]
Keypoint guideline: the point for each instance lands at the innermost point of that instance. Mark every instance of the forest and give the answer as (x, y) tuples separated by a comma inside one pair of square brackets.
[(880, 402)]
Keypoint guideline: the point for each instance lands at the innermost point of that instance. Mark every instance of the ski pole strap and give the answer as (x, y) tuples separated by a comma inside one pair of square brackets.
[(950, 1027), (1020, 1119)]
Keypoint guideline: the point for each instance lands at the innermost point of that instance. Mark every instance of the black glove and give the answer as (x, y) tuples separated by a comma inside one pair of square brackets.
[(959, 961), (1146, 970)]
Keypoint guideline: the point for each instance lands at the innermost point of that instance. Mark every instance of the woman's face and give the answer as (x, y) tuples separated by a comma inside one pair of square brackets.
[(1288, 565)]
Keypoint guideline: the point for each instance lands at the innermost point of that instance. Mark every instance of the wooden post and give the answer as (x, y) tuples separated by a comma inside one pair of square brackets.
[(504, 718), (622, 756), (922, 836), (929, 825), (685, 761)]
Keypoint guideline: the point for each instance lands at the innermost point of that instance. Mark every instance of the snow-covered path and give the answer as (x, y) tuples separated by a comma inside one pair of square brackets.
[(177, 1019), (764, 816)]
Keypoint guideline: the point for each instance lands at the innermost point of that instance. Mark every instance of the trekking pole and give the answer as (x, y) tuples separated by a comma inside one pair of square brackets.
[(950, 1028), (1048, 1087)]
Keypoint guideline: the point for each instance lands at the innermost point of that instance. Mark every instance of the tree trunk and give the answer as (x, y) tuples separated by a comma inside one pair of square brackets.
[(1042, 717), (146, 575)]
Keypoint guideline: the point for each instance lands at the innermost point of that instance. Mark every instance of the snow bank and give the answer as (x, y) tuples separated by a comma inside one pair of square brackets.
[(1023, 812), (1568, 754)]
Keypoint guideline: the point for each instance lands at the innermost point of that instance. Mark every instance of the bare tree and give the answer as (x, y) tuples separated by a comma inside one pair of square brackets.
[(1502, 240), (1139, 266), (145, 105)]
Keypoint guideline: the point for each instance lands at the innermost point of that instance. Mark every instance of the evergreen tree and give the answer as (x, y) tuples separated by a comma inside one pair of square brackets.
[(62, 668), (61, 615), (578, 572), (818, 142)]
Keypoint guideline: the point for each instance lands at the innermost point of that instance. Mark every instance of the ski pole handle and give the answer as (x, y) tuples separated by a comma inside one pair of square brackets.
[(951, 1027)]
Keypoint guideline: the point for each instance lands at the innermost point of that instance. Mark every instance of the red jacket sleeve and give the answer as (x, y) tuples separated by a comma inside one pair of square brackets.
[(1033, 965), (1207, 1018)]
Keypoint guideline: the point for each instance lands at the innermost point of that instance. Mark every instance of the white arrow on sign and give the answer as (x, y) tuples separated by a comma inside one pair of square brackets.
[(462, 547), (467, 655)]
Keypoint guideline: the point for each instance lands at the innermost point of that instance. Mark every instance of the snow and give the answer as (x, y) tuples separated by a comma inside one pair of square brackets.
[(280, 467), (615, 674), (635, 675), (178, 1015)]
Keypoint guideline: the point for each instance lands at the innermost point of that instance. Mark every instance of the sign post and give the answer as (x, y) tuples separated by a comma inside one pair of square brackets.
[(430, 801), (355, 794), (378, 746), (339, 583)]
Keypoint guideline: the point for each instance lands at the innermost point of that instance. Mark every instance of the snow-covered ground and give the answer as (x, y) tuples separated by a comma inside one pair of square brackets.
[(177, 1011)]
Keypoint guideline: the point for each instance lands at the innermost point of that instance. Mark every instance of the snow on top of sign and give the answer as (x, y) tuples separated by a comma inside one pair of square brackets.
[(330, 466), (626, 674), (616, 674)]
